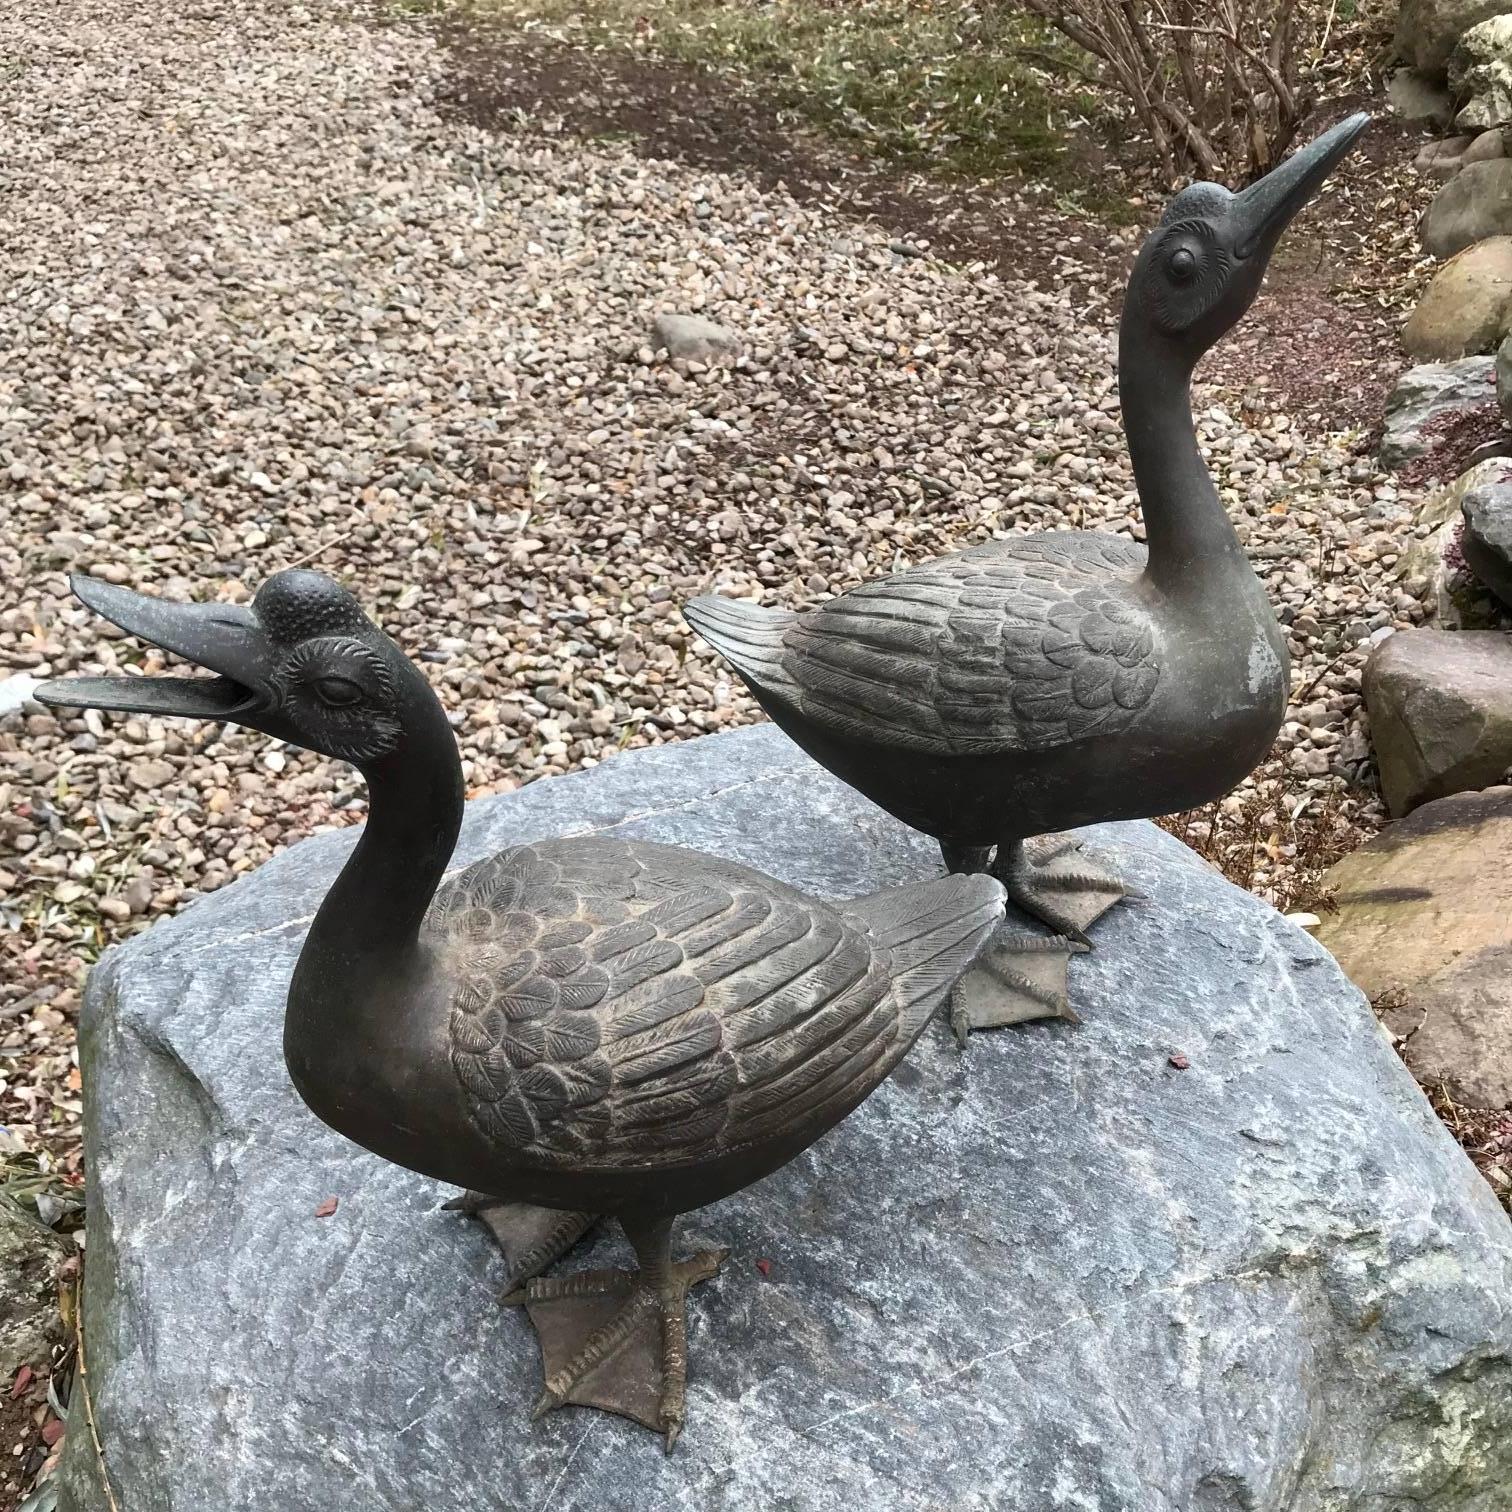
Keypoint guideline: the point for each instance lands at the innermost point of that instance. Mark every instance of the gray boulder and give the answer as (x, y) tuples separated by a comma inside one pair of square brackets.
[(1054, 1271), (1487, 538), (1427, 30), (1463, 311), (1427, 398), (1480, 73), (1443, 159), (1440, 706), (1433, 566), (1414, 97), (1486, 147), (1504, 377), (1474, 204), (693, 337)]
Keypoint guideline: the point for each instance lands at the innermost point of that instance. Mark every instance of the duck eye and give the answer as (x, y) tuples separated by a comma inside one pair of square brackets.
[(337, 691), (1183, 264)]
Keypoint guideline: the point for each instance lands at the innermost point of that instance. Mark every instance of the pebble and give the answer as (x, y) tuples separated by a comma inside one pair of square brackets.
[(245, 329)]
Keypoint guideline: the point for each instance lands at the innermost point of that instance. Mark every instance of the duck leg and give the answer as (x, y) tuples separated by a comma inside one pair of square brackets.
[(965, 858), (1058, 885), (1016, 979), (618, 1340), (532, 1238)]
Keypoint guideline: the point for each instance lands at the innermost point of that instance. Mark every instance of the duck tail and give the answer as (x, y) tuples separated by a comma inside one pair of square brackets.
[(933, 931), (748, 636)]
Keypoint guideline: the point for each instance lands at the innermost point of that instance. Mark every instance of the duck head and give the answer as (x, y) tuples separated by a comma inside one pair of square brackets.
[(1201, 267), (303, 663)]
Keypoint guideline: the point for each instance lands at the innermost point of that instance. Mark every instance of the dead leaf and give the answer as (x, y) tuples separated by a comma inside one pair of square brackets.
[(22, 1381), (327, 1207)]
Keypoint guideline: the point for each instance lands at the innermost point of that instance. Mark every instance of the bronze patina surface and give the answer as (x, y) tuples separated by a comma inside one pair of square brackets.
[(575, 1027), (1044, 682)]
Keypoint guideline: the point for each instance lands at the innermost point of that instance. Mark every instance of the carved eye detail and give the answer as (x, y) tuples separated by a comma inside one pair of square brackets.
[(1188, 274), (339, 692)]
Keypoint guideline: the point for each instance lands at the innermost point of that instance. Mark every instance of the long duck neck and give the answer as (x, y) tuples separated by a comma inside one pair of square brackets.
[(1191, 539), (364, 943)]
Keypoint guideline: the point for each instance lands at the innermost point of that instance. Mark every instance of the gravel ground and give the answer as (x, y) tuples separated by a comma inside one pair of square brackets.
[(264, 302)]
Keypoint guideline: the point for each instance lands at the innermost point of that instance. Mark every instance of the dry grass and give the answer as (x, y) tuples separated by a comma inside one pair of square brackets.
[(1486, 1136), (1274, 842)]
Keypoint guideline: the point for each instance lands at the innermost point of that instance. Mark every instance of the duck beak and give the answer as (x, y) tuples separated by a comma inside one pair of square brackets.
[(222, 638), (1263, 211)]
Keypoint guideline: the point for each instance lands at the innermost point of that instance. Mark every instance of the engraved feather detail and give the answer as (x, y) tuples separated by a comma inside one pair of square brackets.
[(620, 1004), (1026, 644)]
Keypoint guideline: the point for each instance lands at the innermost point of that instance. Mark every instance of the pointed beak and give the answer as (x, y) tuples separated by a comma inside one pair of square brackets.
[(222, 638), (1264, 210)]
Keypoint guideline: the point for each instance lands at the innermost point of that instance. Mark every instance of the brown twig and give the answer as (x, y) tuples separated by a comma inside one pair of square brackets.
[(89, 1417)]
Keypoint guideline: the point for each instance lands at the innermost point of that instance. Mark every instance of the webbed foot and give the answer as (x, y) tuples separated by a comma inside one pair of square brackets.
[(532, 1238), (1017, 978), (618, 1340), (1058, 884)]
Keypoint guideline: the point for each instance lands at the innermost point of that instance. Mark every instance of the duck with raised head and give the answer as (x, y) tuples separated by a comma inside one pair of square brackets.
[(575, 1027), (1035, 684)]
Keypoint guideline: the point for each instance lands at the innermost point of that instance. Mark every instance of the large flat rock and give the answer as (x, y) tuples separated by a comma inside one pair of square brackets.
[(1422, 923), (1053, 1272)]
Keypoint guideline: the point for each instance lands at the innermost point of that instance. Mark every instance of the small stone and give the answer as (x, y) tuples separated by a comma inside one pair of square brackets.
[(1488, 145), (1487, 537), (691, 336), (1426, 31), (149, 774), (1480, 74), (1415, 98), (1442, 159), (32, 1259)]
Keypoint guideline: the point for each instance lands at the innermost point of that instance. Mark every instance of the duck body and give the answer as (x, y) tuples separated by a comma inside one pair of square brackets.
[(1045, 682), (606, 1025), (575, 1027), (1021, 686)]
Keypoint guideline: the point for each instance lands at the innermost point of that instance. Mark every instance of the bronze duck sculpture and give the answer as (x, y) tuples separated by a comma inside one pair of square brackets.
[(1043, 682), (574, 1027)]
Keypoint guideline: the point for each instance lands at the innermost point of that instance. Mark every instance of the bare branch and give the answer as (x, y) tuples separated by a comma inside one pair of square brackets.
[(1215, 83)]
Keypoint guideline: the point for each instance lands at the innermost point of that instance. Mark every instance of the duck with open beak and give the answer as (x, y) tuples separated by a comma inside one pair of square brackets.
[(570, 1028)]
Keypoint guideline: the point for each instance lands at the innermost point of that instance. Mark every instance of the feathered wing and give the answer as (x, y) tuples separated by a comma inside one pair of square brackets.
[(1025, 644), (625, 1004)]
